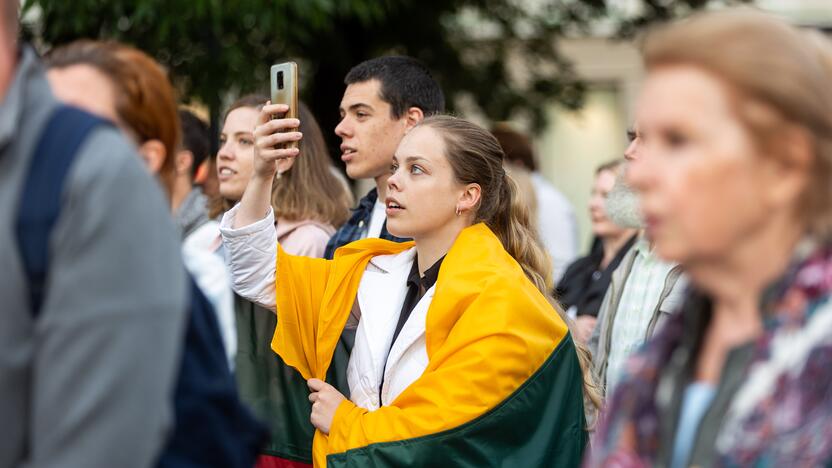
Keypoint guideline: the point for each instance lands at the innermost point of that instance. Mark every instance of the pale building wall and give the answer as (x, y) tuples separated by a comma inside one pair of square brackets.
[(576, 142)]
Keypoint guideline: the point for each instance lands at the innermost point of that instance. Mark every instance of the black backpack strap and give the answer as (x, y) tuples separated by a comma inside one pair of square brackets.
[(40, 203)]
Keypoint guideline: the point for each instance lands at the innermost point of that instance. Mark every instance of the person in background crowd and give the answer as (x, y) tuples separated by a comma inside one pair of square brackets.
[(189, 203), (643, 291), (585, 282), (526, 196), (492, 337), (86, 379), (210, 184), (734, 180), (555, 218), (196, 135), (130, 89), (199, 242)]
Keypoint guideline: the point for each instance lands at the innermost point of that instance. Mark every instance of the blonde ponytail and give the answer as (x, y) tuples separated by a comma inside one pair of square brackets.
[(512, 225)]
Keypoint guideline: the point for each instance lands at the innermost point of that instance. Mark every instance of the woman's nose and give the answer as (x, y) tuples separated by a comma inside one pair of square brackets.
[(393, 181), (224, 152)]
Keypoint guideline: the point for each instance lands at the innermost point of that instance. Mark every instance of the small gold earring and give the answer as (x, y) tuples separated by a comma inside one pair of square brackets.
[(457, 211)]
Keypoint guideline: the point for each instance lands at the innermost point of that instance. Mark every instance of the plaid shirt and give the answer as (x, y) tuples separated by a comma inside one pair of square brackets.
[(639, 299), (357, 225)]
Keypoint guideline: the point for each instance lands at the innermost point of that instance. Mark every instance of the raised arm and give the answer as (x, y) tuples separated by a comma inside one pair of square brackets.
[(269, 135), (251, 255), (247, 230)]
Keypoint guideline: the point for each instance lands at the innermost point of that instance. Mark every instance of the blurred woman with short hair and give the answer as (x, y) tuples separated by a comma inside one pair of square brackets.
[(735, 123)]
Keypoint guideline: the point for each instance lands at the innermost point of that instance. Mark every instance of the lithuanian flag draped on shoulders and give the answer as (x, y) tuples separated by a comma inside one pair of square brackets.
[(503, 386)]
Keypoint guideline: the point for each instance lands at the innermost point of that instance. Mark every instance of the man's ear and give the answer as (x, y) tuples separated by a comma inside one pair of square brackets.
[(184, 162), (413, 116), (153, 153)]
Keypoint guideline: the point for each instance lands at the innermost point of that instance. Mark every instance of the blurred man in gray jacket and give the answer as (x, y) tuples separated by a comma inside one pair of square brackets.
[(89, 380), (643, 290)]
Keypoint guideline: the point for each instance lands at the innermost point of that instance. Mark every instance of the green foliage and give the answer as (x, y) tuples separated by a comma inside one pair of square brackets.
[(474, 47)]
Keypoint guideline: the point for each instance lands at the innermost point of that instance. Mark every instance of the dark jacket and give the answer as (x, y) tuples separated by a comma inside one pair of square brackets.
[(359, 222), (584, 284)]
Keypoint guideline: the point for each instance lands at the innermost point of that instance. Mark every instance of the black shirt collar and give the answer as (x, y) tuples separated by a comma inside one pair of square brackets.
[(429, 279)]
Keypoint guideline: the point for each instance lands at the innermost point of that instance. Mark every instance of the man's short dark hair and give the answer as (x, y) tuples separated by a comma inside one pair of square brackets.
[(195, 138), (405, 83)]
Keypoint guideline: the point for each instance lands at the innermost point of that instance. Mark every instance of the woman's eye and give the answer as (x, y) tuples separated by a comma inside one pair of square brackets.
[(246, 141), (394, 168), (362, 115), (416, 170)]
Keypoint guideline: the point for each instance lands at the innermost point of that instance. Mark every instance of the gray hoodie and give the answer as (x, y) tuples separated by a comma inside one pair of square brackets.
[(90, 382), (192, 213)]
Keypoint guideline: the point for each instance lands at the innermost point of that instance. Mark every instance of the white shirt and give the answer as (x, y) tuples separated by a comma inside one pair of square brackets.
[(376, 220), (556, 225), (251, 252)]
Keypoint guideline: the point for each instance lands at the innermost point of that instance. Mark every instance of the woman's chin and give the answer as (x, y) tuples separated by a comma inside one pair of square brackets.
[(395, 228)]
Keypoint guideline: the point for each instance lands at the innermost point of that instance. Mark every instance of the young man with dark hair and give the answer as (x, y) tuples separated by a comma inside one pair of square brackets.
[(89, 354), (385, 97), (405, 82)]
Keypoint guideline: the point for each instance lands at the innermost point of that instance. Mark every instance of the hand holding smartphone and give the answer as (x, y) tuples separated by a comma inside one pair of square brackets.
[(284, 90), (276, 134)]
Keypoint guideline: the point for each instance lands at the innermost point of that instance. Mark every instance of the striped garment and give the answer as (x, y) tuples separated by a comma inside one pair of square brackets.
[(638, 301)]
